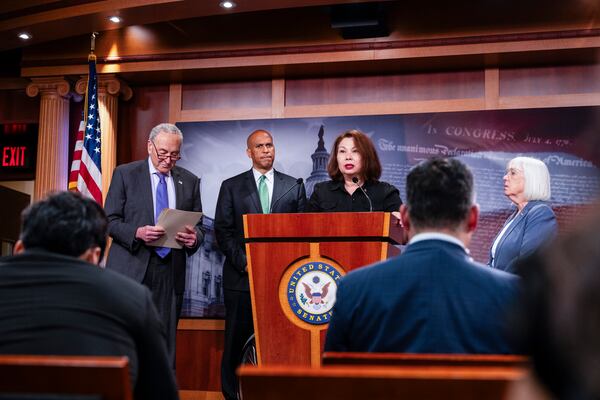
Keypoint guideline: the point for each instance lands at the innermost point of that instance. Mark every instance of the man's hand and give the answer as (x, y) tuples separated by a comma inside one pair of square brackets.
[(188, 237), (149, 233)]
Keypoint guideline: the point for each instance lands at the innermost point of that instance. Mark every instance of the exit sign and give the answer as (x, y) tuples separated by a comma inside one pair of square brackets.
[(18, 150)]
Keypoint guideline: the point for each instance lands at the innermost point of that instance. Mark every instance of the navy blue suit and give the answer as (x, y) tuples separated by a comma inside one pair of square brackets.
[(532, 227), (431, 299)]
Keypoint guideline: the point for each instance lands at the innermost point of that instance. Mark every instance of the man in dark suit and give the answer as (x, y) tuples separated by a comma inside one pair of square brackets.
[(433, 298), (138, 193), (259, 190), (54, 299)]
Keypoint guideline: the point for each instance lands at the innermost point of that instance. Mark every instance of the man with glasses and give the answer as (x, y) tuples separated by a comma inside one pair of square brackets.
[(139, 191)]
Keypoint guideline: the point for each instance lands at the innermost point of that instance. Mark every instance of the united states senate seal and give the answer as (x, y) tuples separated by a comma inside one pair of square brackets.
[(311, 291)]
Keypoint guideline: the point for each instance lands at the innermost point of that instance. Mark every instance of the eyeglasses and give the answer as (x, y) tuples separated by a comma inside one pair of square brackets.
[(163, 156)]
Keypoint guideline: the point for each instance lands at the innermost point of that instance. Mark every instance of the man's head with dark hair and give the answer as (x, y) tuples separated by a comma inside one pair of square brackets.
[(440, 198), (64, 223)]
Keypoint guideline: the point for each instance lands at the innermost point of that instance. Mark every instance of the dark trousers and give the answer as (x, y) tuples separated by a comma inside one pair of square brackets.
[(160, 280), (238, 328)]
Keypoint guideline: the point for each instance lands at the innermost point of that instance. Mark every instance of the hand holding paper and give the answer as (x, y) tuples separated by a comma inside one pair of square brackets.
[(179, 228), (187, 237)]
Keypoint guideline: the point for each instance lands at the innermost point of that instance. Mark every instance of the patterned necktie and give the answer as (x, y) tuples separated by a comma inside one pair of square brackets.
[(263, 192), (162, 201)]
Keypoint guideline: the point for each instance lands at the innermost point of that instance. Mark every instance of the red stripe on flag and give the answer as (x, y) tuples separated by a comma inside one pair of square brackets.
[(91, 184)]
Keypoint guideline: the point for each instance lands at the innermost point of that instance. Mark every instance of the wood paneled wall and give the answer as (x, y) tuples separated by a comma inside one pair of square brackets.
[(200, 344)]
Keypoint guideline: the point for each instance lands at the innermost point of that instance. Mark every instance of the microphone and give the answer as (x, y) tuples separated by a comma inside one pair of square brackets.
[(298, 182), (355, 180)]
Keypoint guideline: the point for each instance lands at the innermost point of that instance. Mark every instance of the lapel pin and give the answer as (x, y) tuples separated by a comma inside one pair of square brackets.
[(181, 183)]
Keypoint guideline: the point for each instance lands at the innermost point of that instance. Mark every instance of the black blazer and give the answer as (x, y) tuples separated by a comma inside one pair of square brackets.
[(129, 206), (331, 196), (55, 304), (239, 196)]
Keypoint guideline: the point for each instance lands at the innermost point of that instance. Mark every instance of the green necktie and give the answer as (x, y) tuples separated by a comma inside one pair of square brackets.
[(263, 192)]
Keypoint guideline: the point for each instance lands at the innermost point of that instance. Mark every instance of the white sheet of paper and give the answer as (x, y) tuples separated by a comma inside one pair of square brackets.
[(174, 221)]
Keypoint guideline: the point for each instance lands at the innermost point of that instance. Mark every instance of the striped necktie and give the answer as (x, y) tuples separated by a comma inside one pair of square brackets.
[(162, 202)]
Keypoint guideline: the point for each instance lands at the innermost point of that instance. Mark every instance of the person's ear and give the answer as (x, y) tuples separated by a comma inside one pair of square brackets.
[(19, 247), (249, 153), (404, 217), (473, 218), (91, 255)]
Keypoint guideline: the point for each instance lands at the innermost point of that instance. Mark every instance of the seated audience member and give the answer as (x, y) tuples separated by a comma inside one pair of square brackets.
[(559, 314), (55, 300), (354, 169), (433, 298), (527, 185)]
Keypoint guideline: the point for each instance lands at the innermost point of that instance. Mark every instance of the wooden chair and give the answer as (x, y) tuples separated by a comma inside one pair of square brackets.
[(376, 382), (105, 378), (432, 360)]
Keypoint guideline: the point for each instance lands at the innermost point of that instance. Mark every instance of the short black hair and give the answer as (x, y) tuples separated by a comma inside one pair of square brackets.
[(439, 193), (64, 223)]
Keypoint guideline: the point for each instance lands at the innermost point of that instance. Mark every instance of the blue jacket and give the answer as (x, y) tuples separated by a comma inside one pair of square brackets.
[(431, 299), (535, 225)]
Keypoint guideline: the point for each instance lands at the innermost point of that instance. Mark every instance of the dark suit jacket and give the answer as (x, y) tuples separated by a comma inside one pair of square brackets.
[(535, 225), (431, 299), (54, 304), (129, 206), (239, 196)]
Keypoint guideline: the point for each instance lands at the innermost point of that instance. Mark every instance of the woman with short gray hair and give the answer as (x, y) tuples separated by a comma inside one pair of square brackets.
[(527, 185)]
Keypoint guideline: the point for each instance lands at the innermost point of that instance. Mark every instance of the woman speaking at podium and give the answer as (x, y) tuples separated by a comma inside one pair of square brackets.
[(354, 169)]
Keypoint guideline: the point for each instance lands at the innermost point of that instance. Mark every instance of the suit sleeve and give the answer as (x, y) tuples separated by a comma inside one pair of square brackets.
[(339, 326), (540, 227), (121, 231), (155, 374), (314, 203), (301, 198), (228, 239), (196, 206)]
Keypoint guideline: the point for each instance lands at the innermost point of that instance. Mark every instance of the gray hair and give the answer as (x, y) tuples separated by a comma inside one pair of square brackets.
[(167, 128), (537, 177)]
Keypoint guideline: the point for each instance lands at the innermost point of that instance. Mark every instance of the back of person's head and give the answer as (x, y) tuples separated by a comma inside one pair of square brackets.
[(439, 193), (64, 223), (559, 312), (537, 177)]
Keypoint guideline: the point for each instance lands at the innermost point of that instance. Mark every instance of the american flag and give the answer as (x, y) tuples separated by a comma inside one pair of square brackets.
[(86, 170)]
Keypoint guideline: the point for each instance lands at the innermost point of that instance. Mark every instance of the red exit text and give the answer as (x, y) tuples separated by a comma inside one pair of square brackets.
[(13, 156)]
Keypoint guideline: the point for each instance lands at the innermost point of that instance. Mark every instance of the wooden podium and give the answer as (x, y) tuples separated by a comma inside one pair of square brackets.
[(294, 263)]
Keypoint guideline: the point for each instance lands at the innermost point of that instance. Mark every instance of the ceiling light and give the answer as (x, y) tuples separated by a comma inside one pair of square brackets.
[(227, 4), (24, 36), (115, 19)]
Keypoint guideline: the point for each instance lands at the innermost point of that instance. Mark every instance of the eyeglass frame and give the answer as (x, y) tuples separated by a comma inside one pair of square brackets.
[(163, 157)]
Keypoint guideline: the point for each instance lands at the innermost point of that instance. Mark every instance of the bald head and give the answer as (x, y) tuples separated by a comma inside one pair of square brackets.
[(261, 150), (258, 132)]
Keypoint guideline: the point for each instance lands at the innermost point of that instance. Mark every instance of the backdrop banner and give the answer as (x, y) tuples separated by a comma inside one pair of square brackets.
[(566, 139)]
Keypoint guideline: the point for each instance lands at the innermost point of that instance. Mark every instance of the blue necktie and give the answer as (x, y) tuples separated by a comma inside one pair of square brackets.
[(162, 201)]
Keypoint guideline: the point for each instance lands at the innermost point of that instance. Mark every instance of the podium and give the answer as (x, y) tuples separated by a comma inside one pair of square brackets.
[(294, 264)]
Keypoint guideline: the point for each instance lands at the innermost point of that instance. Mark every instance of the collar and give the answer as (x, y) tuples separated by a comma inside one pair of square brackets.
[(437, 236), (269, 174), (153, 170)]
